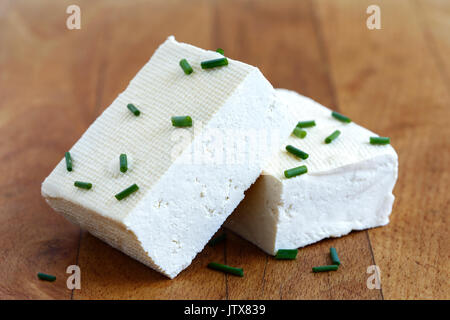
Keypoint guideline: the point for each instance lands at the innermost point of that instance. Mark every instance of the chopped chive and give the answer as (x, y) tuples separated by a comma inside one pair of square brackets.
[(297, 152), (214, 63), (220, 50), (125, 193), (46, 277), (217, 240), (133, 109), (123, 163), (83, 185), (186, 66), (227, 269), (334, 256), (341, 117), (295, 171), (182, 121), (298, 132), (286, 254), (306, 124), (380, 140), (332, 267), (332, 136), (68, 161)]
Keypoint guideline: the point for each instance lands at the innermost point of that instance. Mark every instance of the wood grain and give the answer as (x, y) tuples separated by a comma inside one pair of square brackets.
[(388, 80), (433, 19), (42, 85), (110, 274), (395, 81)]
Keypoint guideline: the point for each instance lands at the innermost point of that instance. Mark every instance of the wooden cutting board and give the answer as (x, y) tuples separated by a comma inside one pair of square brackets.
[(54, 82)]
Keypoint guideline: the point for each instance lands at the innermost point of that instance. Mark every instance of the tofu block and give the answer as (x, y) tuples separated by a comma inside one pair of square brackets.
[(189, 179), (348, 185)]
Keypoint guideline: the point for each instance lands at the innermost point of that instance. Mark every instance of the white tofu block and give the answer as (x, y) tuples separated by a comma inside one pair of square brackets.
[(348, 185), (189, 179)]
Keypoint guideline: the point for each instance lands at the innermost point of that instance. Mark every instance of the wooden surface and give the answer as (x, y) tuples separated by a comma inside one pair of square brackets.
[(395, 81)]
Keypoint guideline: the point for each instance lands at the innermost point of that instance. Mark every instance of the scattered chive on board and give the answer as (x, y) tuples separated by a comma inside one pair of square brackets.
[(220, 50), (227, 269), (217, 240), (341, 117), (83, 185), (380, 140), (182, 121), (334, 256), (297, 152), (214, 63), (298, 132), (332, 267), (46, 277), (133, 109), (332, 136), (295, 171), (125, 193), (68, 161), (286, 254), (123, 163), (306, 124), (186, 66)]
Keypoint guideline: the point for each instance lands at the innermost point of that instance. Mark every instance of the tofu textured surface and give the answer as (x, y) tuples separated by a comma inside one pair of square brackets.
[(348, 185), (182, 199)]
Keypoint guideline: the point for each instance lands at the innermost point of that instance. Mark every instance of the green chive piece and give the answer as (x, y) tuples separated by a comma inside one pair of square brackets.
[(297, 152), (306, 124), (341, 117), (332, 136), (334, 256), (298, 132), (286, 254), (186, 66), (182, 121), (214, 63), (123, 163), (46, 277), (68, 161), (380, 140), (220, 50), (217, 240), (83, 185), (332, 267), (125, 193), (227, 269), (295, 171), (133, 109)]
